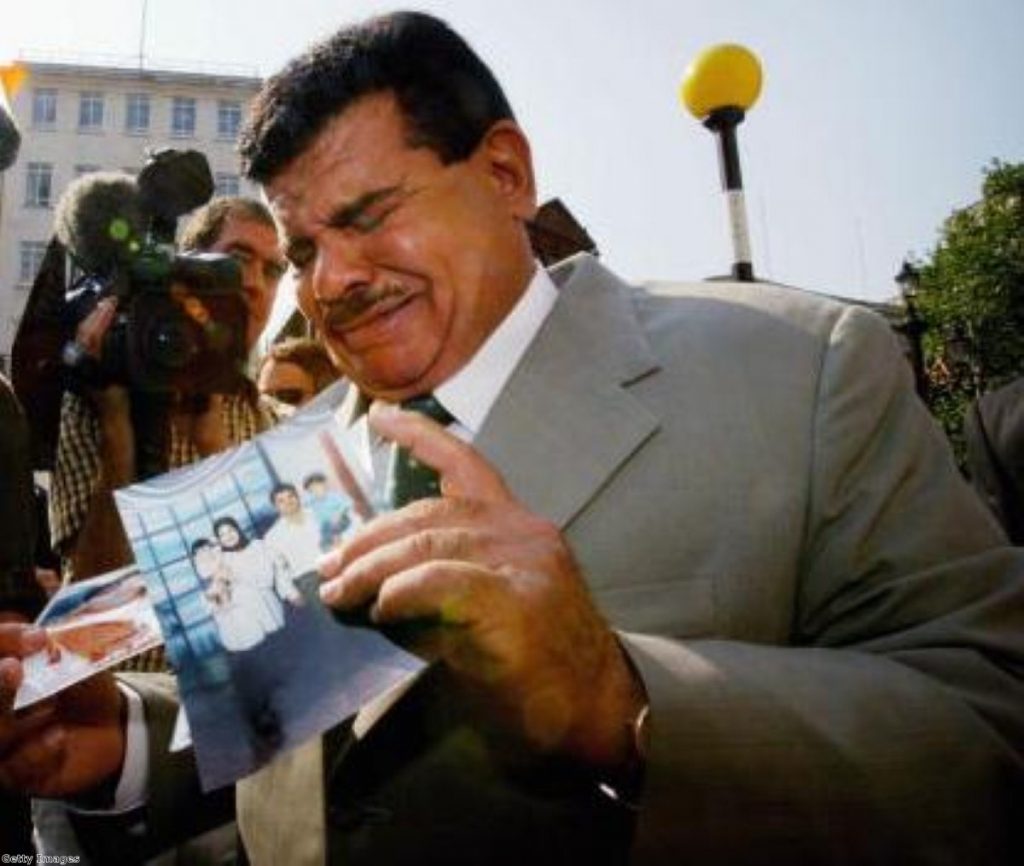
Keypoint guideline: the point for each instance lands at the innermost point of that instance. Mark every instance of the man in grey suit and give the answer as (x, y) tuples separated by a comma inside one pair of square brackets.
[(702, 585)]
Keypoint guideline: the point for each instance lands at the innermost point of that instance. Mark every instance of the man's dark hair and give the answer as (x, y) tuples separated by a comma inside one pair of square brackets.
[(313, 478), (205, 225), (282, 487), (448, 95)]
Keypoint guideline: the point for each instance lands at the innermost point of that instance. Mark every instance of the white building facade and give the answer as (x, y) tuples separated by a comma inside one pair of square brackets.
[(76, 119)]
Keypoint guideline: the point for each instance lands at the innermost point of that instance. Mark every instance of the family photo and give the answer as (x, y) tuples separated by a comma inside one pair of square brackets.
[(228, 548)]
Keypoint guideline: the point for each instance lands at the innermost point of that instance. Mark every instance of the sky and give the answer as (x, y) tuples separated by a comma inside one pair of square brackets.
[(876, 118)]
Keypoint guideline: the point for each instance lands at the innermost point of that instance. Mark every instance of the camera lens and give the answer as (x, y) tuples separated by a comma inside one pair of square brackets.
[(171, 344)]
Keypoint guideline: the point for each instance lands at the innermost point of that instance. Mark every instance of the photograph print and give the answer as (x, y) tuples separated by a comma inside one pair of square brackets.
[(228, 548), (91, 625)]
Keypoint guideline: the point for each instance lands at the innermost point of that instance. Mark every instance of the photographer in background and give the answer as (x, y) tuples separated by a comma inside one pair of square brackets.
[(292, 373), (96, 448)]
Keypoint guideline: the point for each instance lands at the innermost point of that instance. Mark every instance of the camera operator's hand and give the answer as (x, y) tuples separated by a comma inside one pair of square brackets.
[(101, 544), (67, 745), (112, 403)]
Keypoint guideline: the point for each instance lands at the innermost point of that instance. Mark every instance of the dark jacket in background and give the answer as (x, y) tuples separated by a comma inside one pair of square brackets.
[(19, 591), (994, 432)]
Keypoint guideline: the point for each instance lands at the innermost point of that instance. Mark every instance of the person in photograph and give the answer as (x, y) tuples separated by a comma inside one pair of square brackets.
[(245, 615), (296, 532), (332, 508), (239, 608), (253, 562)]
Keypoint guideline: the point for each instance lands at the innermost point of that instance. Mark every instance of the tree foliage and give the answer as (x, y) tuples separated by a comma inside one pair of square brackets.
[(971, 298)]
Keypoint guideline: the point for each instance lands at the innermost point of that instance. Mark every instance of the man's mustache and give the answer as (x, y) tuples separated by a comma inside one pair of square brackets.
[(340, 312)]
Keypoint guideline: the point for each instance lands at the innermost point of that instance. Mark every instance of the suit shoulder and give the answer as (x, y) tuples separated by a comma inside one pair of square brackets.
[(764, 301)]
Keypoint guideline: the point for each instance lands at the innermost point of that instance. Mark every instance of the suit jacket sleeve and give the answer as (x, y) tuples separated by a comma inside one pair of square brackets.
[(891, 728), (176, 809)]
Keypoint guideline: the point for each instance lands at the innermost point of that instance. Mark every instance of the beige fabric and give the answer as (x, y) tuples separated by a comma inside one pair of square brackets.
[(281, 809)]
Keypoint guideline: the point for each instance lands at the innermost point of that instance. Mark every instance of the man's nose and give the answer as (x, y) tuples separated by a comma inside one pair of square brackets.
[(254, 277), (342, 263)]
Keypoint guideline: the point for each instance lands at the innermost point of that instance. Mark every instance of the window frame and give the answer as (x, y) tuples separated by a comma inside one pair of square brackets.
[(229, 119), (30, 252), (91, 110), (135, 104), (183, 107), (44, 96), (38, 175)]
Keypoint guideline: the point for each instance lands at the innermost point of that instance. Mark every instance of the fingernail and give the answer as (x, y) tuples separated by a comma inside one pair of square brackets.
[(380, 409), (330, 593)]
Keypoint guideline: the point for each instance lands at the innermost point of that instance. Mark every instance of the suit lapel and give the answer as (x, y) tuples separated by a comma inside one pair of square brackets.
[(566, 405)]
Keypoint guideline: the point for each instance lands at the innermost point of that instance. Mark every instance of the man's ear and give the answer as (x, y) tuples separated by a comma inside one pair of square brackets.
[(508, 161)]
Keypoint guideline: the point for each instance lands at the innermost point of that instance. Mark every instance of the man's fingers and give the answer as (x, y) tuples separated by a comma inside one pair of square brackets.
[(464, 472), (19, 641), (446, 592), (93, 327), (420, 516), (34, 761), (361, 576)]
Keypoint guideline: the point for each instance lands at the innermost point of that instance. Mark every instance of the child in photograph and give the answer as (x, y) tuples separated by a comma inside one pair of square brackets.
[(332, 509)]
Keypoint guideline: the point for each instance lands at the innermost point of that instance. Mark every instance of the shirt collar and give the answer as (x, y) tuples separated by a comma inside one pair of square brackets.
[(471, 393)]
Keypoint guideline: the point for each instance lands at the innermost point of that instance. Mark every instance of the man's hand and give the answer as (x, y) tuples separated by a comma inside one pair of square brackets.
[(64, 746), (508, 608), (112, 402)]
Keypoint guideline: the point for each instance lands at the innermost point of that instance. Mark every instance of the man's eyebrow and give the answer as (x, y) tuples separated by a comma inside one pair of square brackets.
[(241, 246), (343, 217)]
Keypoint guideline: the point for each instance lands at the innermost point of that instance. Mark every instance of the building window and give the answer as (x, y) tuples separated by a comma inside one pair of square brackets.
[(90, 111), (225, 183), (229, 119), (86, 168), (136, 113), (39, 184), (183, 117), (31, 259), (44, 108)]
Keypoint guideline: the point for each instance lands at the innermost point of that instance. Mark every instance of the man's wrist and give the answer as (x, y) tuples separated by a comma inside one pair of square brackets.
[(626, 782)]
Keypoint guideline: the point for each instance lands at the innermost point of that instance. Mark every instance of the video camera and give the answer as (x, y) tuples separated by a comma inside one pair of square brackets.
[(181, 318)]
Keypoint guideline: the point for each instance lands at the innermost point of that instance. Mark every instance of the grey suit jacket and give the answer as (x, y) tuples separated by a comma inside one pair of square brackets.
[(828, 623)]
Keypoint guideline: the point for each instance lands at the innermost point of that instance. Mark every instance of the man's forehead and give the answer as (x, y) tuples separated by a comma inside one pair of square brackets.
[(354, 154)]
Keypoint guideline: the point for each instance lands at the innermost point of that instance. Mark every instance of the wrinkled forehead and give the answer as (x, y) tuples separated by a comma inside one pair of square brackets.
[(361, 149)]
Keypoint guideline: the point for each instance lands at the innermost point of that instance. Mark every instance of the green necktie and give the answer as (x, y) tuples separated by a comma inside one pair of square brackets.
[(408, 479)]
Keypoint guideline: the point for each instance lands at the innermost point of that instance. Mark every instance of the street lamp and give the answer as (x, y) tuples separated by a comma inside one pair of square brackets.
[(718, 88), (913, 327)]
